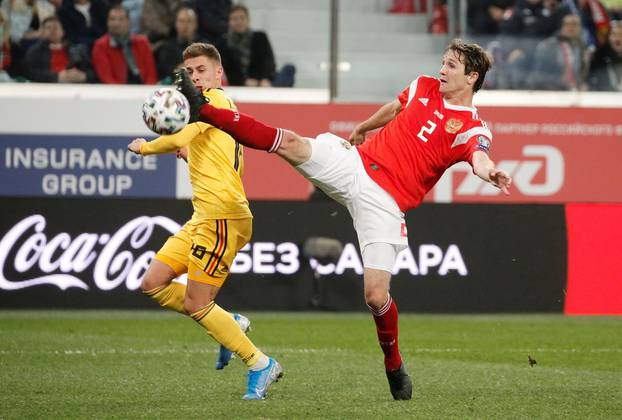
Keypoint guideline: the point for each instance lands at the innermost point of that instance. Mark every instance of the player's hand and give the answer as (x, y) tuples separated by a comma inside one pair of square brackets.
[(182, 153), (134, 146), (501, 180), (357, 136)]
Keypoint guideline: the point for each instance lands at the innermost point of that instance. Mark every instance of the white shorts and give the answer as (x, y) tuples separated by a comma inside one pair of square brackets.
[(336, 168)]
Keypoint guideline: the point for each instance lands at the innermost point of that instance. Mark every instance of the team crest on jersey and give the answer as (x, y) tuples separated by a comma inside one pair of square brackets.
[(453, 125)]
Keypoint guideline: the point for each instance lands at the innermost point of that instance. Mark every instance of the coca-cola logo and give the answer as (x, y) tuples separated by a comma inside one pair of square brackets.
[(62, 257), (29, 257)]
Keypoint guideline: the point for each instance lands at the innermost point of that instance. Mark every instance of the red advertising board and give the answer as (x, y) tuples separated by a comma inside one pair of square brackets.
[(555, 155), (594, 259)]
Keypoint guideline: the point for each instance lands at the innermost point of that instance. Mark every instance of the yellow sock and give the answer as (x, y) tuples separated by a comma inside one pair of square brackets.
[(223, 328), (170, 296)]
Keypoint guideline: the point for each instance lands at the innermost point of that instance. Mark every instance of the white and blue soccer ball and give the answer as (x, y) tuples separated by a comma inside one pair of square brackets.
[(166, 111)]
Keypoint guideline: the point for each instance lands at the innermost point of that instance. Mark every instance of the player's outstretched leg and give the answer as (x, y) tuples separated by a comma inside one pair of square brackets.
[(243, 128), (224, 355)]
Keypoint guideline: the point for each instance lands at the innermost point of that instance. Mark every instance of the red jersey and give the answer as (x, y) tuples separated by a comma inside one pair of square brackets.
[(408, 156)]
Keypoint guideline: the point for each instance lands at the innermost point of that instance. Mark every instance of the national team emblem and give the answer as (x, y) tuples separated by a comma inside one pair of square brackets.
[(404, 231), (453, 125)]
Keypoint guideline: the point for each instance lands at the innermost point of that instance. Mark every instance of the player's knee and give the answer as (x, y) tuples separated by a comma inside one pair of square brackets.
[(376, 297), (147, 283), (294, 148), (192, 305), (151, 280)]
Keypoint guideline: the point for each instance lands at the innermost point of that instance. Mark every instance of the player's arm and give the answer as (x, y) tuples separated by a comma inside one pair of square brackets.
[(165, 144), (379, 119), (182, 153), (484, 168)]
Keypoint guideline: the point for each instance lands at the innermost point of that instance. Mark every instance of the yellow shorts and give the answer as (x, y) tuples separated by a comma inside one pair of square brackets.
[(205, 249)]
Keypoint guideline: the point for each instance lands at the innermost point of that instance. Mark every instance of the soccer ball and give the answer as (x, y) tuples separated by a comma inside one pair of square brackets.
[(166, 111)]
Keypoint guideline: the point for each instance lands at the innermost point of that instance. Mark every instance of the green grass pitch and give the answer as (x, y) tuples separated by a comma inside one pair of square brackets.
[(126, 364)]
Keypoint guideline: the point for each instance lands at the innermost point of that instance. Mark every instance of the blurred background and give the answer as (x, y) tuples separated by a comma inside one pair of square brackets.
[(82, 217)]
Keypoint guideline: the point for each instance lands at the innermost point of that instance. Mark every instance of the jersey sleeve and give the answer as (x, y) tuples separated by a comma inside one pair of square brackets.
[(170, 143), (471, 140), (409, 93), (478, 142)]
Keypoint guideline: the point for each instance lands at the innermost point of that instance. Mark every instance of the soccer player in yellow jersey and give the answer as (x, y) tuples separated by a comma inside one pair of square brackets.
[(220, 226)]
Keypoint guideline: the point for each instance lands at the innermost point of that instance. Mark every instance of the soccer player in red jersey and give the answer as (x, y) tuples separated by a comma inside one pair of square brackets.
[(428, 128)]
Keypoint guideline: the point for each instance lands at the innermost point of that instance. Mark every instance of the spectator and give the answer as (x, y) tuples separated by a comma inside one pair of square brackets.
[(522, 28), (484, 16), (5, 51), (120, 57), (53, 60), (83, 20), (135, 9), (23, 21), (606, 69), (247, 55), (169, 54), (213, 18), (561, 61), (24, 17), (594, 19), (158, 17)]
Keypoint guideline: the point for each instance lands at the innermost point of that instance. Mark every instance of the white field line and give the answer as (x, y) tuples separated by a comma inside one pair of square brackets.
[(102, 352)]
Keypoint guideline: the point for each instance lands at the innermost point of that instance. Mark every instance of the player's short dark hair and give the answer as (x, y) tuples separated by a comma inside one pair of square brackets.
[(239, 7), (475, 59), (198, 49)]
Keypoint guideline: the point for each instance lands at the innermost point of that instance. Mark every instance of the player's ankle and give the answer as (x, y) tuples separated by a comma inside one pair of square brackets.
[(262, 362)]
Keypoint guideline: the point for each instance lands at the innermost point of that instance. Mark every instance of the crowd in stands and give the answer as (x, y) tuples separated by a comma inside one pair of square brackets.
[(550, 44), (540, 44), (130, 41), (535, 44)]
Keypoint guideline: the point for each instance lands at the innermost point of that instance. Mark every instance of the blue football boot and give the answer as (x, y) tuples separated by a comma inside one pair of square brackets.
[(260, 380)]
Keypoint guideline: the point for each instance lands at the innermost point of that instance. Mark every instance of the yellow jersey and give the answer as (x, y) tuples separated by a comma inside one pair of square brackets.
[(215, 163)]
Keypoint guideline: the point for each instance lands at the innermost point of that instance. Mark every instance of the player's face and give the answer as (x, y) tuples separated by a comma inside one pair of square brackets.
[(204, 72), (452, 74)]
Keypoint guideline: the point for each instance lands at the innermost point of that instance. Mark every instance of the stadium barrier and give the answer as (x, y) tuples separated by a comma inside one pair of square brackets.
[(549, 142), (559, 147), (88, 253)]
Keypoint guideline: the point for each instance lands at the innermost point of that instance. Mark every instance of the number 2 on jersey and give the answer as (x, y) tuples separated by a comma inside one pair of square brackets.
[(428, 128)]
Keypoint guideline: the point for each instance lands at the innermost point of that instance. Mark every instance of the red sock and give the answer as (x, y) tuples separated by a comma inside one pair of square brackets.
[(386, 327), (243, 128)]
